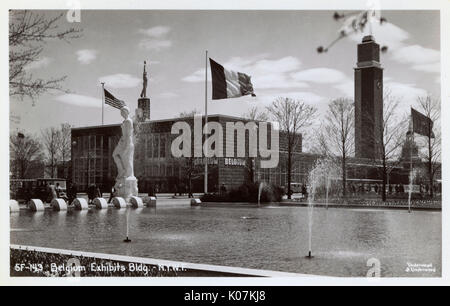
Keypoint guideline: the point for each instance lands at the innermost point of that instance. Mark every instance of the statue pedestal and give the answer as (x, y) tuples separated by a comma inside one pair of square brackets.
[(126, 187), (144, 106)]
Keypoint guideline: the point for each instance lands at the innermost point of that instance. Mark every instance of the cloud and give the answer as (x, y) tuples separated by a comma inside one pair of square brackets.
[(120, 80), (155, 32), (434, 67), (86, 56), (168, 95), (40, 63), (320, 75), (79, 100), (347, 88), (155, 44), (387, 34), (155, 38), (416, 56), (305, 96), (265, 73), (197, 76), (407, 93)]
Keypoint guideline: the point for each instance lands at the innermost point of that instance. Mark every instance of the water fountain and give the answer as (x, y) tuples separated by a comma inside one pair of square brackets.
[(260, 189), (313, 180), (328, 182), (128, 216), (322, 174)]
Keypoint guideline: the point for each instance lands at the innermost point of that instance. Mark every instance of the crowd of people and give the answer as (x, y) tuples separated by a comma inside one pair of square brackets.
[(27, 262)]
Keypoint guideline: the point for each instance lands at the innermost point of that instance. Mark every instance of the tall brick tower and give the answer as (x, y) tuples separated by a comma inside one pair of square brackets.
[(368, 100)]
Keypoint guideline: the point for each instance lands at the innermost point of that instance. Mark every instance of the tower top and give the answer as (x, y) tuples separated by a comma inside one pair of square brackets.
[(368, 53), (368, 38)]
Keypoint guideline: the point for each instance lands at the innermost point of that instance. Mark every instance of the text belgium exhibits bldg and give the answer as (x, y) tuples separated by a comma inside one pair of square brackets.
[(155, 167)]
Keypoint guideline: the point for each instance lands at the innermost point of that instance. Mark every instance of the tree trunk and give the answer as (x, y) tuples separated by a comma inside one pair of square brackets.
[(383, 188), (344, 176), (289, 171), (430, 175), (22, 170), (430, 166), (189, 185)]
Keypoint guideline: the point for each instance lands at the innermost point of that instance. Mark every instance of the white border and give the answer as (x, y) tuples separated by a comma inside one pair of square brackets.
[(442, 5)]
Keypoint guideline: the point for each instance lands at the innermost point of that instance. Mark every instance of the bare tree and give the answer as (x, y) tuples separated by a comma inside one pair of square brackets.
[(255, 114), (24, 150), (431, 108), (28, 32), (389, 138), (51, 138), (65, 145), (293, 116), (337, 137), (187, 114), (190, 168)]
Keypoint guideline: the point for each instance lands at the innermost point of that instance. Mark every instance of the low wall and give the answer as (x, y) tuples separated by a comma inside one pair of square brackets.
[(370, 203)]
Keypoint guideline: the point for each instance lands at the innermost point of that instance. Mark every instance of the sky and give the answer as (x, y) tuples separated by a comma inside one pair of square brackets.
[(276, 48)]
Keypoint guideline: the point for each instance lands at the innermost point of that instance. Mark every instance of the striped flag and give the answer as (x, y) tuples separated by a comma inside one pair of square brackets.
[(228, 83), (422, 124), (113, 101)]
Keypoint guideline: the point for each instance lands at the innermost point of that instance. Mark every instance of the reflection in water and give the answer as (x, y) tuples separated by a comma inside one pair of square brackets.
[(273, 239), (37, 216)]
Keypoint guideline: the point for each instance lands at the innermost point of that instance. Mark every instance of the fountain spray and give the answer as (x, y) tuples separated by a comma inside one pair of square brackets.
[(261, 186), (312, 191), (127, 239)]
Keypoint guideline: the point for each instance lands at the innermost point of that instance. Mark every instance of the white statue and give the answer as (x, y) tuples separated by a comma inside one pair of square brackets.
[(123, 154)]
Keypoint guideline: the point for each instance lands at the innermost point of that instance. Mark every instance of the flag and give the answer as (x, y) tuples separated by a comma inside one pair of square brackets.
[(113, 101), (422, 124), (228, 83)]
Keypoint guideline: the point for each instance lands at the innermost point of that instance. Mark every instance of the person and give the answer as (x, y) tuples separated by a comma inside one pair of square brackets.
[(58, 190), (72, 193), (111, 195), (176, 190), (28, 194), (181, 189), (98, 193), (52, 190), (91, 193), (151, 192), (303, 191), (223, 189)]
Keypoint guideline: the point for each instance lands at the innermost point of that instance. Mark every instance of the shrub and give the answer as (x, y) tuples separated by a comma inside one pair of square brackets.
[(247, 192)]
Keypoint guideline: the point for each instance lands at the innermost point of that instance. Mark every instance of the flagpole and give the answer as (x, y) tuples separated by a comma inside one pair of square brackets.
[(206, 118), (103, 99), (410, 162)]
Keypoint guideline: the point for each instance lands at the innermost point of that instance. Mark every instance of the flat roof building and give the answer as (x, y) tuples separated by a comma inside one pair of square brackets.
[(156, 167)]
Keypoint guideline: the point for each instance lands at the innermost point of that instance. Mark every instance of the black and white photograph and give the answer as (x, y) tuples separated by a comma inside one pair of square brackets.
[(226, 143)]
